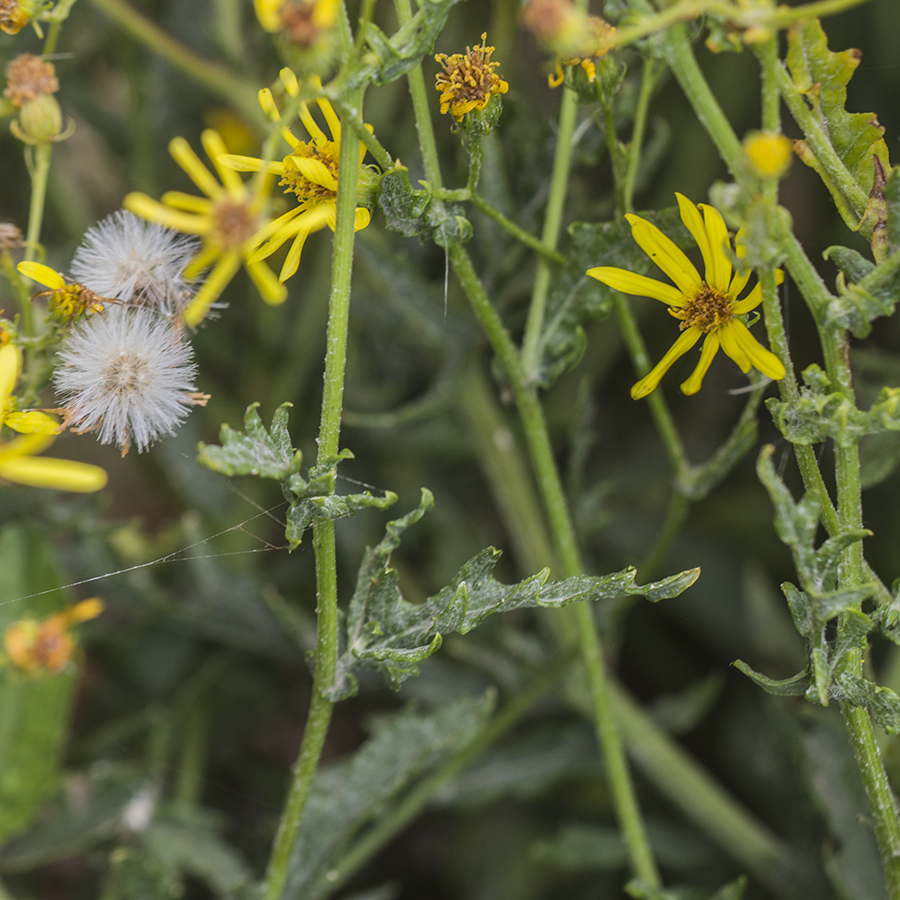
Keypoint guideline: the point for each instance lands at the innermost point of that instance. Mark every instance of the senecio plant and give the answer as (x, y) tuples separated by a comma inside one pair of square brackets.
[(435, 204)]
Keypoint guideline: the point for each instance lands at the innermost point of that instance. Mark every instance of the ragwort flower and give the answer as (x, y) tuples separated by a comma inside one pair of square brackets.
[(68, 299), (707, 306), (468, 80), (229, 220), (37, 432), (301, 21), (309, 171), (45, 646)]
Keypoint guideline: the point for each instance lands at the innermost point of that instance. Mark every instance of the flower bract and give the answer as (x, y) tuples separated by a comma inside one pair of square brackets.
[(706, 307), (309, 172), (229, 220)]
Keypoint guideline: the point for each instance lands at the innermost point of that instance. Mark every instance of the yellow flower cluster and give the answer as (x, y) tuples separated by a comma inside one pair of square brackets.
[(233, 221), (468, 80)]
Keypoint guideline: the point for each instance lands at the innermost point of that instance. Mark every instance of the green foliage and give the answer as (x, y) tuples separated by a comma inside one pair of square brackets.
[(34, 710), (403, 51), (388, 633), (269, 454), (822, 77), (351, 793), (411, 212), (820, 412)]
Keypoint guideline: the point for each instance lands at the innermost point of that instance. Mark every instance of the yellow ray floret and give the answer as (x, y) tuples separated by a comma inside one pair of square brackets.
[(707, 306), (309, 172)]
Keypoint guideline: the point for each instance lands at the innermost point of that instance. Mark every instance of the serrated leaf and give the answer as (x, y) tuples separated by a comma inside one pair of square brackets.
[(347, 795), (575, 298), (402, 52), (254, 451), (386, 632), (822, 77), (303, 513)]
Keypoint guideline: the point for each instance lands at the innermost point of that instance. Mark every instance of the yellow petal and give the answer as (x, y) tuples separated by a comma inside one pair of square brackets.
[(362, 218), (665, 254), (732, 347), (649, 382), (267, 103), (639, 285), (212, 288), (189, 161), (32, 422), (10, 366), (269, 287), (215, 149), (334, 123), (154, 211), (719, 266), (42, 274), (693, 220), (289, 80), (267, 13), (250, 164), (310, 124), (316, 171), (292, 260), (763, 360), (710, 348), (61, 474)]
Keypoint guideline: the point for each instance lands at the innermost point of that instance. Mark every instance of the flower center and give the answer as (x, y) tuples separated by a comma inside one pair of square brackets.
[(468, 79), (295, 182), (706, 310), (126, 375), (236, 223)]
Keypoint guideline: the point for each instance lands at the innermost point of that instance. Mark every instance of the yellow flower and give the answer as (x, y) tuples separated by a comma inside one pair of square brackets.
[(705, 306), (38, 432), (309, 171), (39, 646), (768, 154), (67, 300), (302, 21), (229, 220), (468, 80), (13, 16)]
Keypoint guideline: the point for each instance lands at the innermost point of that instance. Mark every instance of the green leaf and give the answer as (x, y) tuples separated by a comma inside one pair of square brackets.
[(349, 794), (34, 710), (403, 51), (304, 512), (821, 412), (822, 77), (405, 209), (576, 298), (386, 632), (255, 451), (786, 687)]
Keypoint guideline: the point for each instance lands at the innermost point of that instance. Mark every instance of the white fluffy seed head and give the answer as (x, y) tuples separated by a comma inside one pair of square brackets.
[(140, 263), (128, 374)]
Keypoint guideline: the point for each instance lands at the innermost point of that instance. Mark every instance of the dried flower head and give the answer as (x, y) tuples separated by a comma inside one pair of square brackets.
[(468, 81), (128, 375), (45, 646), (140, 263), (28, 77), (10, 237), (13, 17)]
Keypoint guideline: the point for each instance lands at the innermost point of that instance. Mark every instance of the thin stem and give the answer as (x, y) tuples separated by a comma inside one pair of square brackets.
[(547, 253), (559, 182), (320, 710), (648, 82), (39, 169)]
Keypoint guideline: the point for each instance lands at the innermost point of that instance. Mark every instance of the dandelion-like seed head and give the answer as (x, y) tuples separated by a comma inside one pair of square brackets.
[(140, 263), (468, 80), (127, 375)]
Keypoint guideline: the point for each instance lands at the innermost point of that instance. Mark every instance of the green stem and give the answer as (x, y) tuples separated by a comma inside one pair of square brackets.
[(559, 182), (219, 80), (320, 710), (820, 143), (681, 60), (648, 82), (40, 172)]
